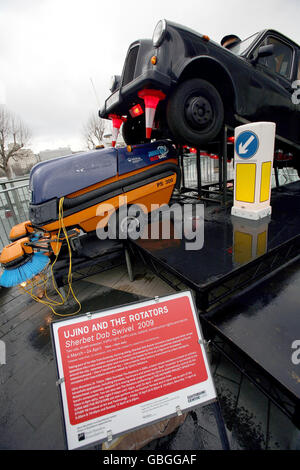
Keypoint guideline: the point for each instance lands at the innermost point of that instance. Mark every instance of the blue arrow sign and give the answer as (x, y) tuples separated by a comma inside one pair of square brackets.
[(246, 144)]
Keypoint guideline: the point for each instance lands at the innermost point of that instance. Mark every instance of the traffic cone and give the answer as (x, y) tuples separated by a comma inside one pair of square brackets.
[(117, 121), (151, 99)]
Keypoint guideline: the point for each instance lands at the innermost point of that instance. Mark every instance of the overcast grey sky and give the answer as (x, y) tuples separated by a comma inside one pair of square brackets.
[(51, 49)]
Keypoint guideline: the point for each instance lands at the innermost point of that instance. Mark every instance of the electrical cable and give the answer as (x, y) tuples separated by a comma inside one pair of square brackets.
[(50, 302)]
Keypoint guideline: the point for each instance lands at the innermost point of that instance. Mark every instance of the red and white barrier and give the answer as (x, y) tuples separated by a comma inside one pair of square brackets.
[(117, 121), (151, 99)]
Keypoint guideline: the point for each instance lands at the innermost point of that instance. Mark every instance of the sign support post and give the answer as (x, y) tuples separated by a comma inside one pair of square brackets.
[(221, 426)]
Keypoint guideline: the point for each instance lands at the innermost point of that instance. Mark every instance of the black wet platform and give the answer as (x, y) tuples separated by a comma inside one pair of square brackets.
[(224, 264), (263, 323), (246, 280)]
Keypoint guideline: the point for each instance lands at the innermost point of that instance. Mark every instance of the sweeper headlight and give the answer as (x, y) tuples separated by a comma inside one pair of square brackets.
[(159, 33)]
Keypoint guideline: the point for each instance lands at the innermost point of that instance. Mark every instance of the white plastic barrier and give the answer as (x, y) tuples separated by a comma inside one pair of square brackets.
[(253, 158)]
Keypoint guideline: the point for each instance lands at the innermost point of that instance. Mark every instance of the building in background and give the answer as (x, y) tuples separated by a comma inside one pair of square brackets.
[(22, 163), (49, 154), (107, 138)]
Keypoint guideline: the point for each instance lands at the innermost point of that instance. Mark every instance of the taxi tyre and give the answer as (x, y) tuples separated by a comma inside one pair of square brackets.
[(195, 112), (133, 131)]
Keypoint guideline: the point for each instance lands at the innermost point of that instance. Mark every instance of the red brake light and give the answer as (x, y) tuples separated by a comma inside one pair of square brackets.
[(137, 110)]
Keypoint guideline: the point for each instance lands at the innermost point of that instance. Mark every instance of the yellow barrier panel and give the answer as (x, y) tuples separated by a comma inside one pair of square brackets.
[(265, 181), (245, 182), (261, 243)]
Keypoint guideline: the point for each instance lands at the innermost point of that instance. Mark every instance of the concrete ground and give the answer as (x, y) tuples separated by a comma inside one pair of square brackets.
[(30, 415)]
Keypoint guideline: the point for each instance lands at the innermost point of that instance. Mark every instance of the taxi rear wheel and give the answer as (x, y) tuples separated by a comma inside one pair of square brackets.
[(133, 131)]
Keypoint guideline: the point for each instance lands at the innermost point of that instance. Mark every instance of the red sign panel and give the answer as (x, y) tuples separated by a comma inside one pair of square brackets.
[(120, 360)]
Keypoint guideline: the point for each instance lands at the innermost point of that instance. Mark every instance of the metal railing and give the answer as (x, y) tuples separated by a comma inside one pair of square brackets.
[(14, 200), (285, 176), (209, 170)]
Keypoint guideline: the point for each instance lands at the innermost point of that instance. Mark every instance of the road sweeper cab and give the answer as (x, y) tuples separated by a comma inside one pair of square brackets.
[(77, 194)]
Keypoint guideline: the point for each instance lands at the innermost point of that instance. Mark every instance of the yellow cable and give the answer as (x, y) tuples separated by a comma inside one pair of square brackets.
[(70, 257), (53, 303)]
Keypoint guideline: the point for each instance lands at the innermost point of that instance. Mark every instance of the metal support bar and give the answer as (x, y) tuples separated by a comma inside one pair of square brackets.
[(221, 426), (181, 165), (224, 162), (199, 176), (222, 183), (128, 264), (276, 176)]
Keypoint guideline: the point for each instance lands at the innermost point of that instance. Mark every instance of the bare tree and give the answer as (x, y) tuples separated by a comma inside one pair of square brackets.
[(93, 131), (14, 135)]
